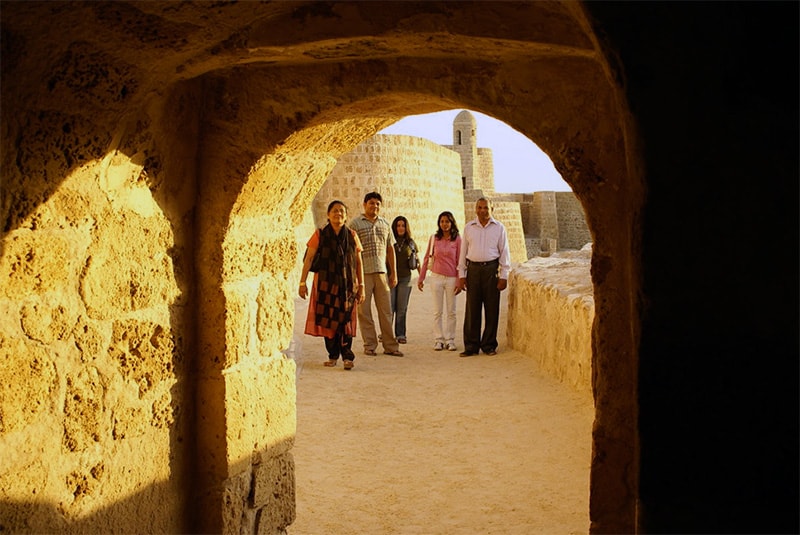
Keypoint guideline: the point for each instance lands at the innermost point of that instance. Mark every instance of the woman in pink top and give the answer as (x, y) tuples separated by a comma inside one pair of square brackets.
[(443, 248)]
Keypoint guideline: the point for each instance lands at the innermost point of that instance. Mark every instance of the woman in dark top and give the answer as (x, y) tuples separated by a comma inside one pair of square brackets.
[(404, 249)]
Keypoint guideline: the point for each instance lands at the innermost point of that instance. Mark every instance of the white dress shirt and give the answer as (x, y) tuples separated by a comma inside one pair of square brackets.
[(484, 244)]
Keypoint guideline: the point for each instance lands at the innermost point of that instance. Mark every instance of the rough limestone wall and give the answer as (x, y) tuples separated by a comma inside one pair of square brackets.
[(416, 178), (508, 213), (485, 169), (550, 314), (279, 66), (544, 216), (526, 209), (465, 167), (303, 232), (94, 324), (247, 437), (573, 232)]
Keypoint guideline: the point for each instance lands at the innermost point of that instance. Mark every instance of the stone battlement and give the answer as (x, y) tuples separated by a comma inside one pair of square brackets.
[(550, 315), (419, 179)]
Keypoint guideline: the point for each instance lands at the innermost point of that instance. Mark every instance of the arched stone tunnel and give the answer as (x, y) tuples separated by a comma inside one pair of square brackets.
[(157, 157)]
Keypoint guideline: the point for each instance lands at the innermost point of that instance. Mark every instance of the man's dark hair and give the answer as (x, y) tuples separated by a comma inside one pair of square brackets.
[(373, 195)]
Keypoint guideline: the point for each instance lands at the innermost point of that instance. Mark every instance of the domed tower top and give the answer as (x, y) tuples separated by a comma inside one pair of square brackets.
[(464, 126), (465, 144)]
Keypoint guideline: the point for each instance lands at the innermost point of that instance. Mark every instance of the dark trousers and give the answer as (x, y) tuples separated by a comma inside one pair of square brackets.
[(341, 344), (482, 296)]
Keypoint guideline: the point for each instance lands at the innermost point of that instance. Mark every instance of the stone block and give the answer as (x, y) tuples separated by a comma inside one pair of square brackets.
[(84, 418), (234, 503), (28, 383), (550, 315), (40, 262), (260, 403), (274, 493), (129, 266)]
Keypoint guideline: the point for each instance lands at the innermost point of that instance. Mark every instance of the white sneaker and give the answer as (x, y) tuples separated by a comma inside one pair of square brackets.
[(438, 346), (451, 346)]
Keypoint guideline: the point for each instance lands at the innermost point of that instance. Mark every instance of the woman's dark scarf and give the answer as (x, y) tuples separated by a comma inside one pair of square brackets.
[(336, 278)]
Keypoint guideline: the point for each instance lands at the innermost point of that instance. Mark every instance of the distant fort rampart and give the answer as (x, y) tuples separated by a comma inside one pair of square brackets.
[(420, 179), (416, 178)]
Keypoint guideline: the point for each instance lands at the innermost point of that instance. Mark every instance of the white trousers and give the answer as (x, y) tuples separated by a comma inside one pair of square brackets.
[(444, 306)]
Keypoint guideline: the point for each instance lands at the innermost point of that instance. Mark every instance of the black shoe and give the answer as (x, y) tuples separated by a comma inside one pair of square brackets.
[(491, 352), (466, 354)]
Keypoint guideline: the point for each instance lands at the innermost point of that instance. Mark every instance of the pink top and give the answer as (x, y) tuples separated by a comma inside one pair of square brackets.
[(445, 257)]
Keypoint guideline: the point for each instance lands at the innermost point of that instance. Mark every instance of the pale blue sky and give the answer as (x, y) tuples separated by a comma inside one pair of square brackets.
[(519, 165)]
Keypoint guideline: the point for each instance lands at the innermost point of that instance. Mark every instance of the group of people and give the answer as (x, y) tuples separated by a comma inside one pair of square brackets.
[(368, 259)]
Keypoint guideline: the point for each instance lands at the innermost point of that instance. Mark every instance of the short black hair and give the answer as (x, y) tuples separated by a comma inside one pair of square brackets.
[(373, 195)]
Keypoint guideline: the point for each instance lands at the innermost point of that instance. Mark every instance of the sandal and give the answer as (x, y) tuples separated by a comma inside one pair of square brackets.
[(370, 352), (393, 353), (330, 363), (348, 365)]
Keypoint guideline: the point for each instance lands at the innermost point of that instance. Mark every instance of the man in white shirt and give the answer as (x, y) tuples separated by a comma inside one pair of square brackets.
[(483, 267)]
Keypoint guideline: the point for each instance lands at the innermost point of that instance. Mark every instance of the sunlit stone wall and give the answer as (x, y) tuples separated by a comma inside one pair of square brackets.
[(416, 178), (550, 314), (93, 355)]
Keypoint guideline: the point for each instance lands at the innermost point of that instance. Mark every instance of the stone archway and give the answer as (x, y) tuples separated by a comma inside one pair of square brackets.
[(330, 116), (248, 106)]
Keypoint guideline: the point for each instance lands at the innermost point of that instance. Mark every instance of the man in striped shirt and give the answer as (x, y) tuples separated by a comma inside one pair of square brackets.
[(377, 257), (483, 267)]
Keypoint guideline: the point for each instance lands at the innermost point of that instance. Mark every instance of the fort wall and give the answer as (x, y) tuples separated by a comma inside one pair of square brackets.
[(94, 346), (485, 169), (550, 315), (419, 179), (416, 177), (573, 232)]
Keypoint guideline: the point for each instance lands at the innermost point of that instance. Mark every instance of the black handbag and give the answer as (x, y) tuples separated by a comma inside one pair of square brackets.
[(413, 260), (316, 261)]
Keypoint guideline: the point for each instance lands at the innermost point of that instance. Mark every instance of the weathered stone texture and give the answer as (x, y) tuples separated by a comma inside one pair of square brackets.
[(157, 157), (273, 493), (92, 341), (573, 232), (416, 178), (508, 213), (551, 310), (261, 410), (261, 501), (156, 161), (29, 386)]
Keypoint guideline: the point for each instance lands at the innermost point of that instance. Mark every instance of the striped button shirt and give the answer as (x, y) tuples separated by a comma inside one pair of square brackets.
[(375, 237)]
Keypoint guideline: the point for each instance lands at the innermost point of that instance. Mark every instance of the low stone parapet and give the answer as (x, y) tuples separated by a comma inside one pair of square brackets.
[(551, 309)]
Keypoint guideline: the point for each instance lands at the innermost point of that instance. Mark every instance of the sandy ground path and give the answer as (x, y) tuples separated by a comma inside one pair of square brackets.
[(432, 443)]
